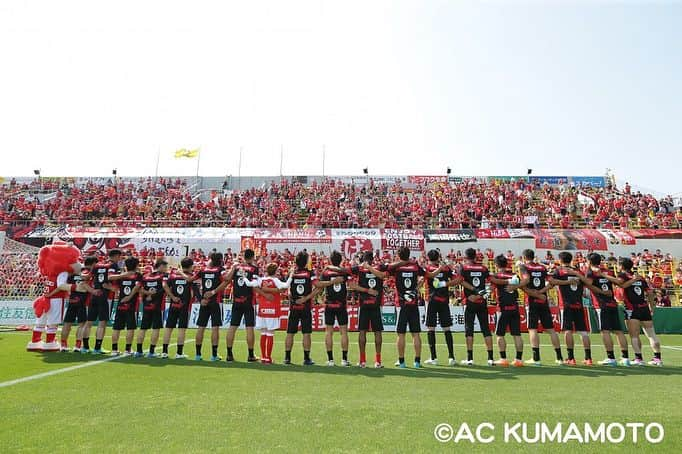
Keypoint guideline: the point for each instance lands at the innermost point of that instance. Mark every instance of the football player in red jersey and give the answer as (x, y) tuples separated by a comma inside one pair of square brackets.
[(152, 300), (125, 316), (242, 302), (76, 311), (438, 308), (508, 313), (335, 309), (178, 289), (303, 290), (534, 285), (570, 293), (639, 305), (601, 289), (210, 278), (474, 278)]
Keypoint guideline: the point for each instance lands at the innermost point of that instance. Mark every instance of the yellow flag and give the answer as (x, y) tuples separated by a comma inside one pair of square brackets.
[(186, 153)]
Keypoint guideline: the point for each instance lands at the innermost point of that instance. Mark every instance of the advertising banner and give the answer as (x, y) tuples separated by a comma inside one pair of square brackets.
[(420, 179), (653, 234), (450, 236), (316, 236), (618, 237), (595, 182), (16, 313), (393, 239), (548, 180), (352, 241), (570, 240)]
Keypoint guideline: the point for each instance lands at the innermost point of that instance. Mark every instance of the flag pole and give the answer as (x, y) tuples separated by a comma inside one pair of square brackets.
[(324, 151), (198, 160), (239, 170), (158, 158)]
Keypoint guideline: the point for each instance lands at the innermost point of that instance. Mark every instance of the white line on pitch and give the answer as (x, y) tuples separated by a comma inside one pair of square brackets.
[(67, 369)]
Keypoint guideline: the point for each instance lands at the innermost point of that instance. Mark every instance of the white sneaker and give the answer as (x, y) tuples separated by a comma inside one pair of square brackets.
[(491, 362), (64, 349), (467, 362), (362, 365), (625, 362), (330, 363), (51, 347), (115, 353), (164, 355), (431, 362), (183, 356), (378, 366), (76, 350), (345, 363), (608, 362), (452, 362)]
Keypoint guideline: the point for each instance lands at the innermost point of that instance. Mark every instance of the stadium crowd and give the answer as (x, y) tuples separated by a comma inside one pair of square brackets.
[(333, 204)]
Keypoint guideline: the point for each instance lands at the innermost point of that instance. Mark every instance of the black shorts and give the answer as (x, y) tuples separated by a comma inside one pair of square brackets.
[(370, 319), (152, 319), (438, 312), (642, 313), (474, 311), (609, 320), (75, 313), (125, 320), (408, 316), (508, 319), (177, 318), (98, 309), (212, 310), (339, 314), (245, 310), (305, 317), (573, 320), (539, 313)]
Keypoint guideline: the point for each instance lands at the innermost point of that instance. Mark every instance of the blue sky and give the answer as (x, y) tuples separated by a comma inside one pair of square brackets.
[(404, 87)]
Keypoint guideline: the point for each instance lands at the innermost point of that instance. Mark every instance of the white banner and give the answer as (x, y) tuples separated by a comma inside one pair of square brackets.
[(16, 313)]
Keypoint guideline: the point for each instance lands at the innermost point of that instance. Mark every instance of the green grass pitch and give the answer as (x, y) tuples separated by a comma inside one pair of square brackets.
[(151, 405)]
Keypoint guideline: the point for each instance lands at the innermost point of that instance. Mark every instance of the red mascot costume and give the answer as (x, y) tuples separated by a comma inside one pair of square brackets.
[(55, 263)]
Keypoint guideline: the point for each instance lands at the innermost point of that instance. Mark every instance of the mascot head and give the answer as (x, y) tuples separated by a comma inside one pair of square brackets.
[(57, 258)]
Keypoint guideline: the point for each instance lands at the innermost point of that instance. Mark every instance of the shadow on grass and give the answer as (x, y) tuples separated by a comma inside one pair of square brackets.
[(442, 372)]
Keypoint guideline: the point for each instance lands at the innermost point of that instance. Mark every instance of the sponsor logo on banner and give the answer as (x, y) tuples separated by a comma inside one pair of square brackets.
[(548, 180), (392, 239), (450, 235), (618, 236), (492, 233), (595, 182), (294, 235), (420, 179), (16, 313)]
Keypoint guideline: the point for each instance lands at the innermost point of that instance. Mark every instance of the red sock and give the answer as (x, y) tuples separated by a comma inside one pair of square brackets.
[(363, 357), (50, 337), (377, 357), (79, 343), (64, 343), (263, 345), (270, 340), (37, 335)]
